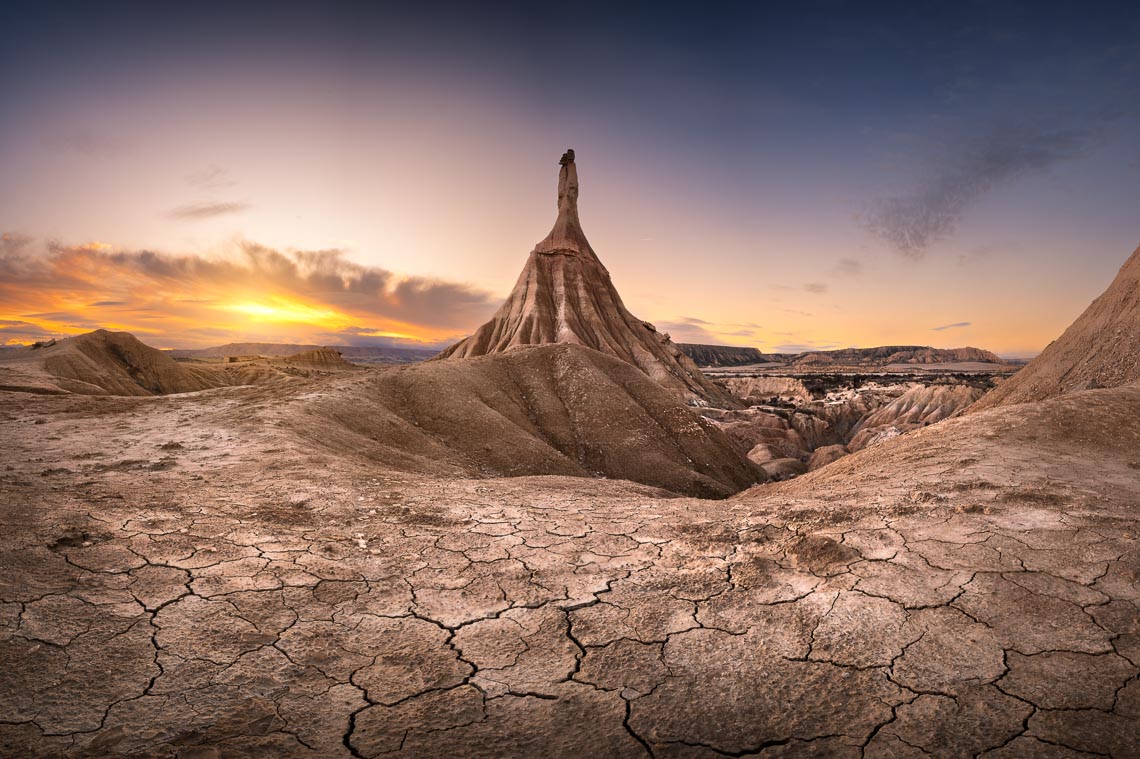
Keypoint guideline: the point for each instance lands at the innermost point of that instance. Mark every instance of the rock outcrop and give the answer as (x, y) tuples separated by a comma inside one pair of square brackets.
[(757, 390), (1101, 349), (565, 295), (321, 360), (920, 406)]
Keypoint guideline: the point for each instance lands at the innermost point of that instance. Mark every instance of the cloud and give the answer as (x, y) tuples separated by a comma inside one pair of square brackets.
[(688, 329), (212, 177), (815, 287), (803, 347), (955, 325), (911, 223), (247, 291), (86, 143), (12, 243), (848, 267), (199, 211)]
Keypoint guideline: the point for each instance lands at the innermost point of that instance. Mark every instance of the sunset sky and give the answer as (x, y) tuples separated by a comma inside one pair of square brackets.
[(936, 174)]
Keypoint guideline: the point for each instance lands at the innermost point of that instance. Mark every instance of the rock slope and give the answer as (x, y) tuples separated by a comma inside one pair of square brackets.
[(565, 295), (552, 409)]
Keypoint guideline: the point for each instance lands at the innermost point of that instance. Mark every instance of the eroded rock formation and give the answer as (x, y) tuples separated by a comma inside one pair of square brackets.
[(565, 295)]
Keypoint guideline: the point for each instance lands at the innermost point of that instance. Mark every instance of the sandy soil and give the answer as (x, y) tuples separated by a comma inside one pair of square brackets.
[(186, 576)]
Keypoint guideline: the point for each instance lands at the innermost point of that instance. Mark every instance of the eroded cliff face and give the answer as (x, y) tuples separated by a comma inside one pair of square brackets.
[(565, 295)]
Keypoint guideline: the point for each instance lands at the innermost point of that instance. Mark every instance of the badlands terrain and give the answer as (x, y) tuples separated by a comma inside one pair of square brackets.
[(563, 539)]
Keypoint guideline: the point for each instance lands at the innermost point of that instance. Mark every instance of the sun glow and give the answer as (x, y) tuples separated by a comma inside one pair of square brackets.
[(288, 311)]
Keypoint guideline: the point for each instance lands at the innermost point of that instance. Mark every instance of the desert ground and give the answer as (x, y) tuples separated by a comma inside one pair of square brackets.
[(188, 575)]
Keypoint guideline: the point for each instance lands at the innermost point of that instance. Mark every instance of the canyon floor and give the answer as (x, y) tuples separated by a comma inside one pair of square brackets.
[(186, 576)]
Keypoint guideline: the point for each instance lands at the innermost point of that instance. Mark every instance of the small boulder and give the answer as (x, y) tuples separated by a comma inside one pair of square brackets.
[(784, 469), (761, 453), (826, 455)]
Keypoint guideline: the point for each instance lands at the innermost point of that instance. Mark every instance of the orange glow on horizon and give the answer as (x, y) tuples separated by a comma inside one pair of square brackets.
[(281, 310), (246, 294)]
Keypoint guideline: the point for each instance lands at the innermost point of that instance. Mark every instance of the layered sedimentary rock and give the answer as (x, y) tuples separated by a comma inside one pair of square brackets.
[(1100, 349), (565, 295)]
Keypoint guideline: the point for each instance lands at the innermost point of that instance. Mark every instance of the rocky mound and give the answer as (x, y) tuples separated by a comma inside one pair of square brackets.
[(110, 363), (555, 409), (723, 355), (565, 295), (1100, 349)]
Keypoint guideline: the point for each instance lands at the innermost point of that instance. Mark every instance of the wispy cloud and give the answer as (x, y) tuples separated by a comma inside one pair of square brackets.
[(955, 325), (85, 142), (199, 211), (807, 287), (211, 178), (802, 347), (690, 329), (687, 329), (911, 223), (849, 267)]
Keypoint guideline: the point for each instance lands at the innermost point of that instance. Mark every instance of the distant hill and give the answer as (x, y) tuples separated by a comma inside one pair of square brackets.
[(878, 357), (722, 355), (118, 363), (356, 354), (896, 354), (104, 363)]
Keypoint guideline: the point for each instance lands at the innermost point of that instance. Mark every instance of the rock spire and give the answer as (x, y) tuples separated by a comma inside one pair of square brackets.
[(565, 295)]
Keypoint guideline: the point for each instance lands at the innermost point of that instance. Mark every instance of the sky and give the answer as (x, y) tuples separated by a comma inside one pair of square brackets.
[(820, 175)]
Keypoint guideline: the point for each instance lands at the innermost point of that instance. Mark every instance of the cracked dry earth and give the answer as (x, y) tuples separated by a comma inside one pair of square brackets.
[(181, 577)]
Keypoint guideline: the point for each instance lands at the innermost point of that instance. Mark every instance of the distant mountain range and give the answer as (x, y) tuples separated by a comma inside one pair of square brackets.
[(885, 355), (356, 354)]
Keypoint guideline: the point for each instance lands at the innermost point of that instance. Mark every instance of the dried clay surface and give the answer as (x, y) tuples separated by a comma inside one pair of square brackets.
[(194, 576)]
